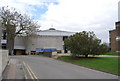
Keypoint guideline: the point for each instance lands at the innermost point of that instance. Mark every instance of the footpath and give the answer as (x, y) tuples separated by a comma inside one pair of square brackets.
[(57, 55), (14, 70)]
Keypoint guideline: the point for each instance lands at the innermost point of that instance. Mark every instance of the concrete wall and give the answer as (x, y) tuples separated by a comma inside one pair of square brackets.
[(0, 64), (30, 43), (3, 61), (34, 42), (4, 58), (0, 34), (20, 42)]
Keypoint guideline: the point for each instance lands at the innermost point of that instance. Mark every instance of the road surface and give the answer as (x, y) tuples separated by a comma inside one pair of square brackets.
[(39, 67)]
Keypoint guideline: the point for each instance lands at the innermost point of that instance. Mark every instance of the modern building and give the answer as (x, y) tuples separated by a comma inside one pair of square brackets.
[(115, 34), (44, 39)]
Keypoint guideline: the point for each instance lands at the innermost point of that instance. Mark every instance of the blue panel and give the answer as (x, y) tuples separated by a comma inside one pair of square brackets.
[(39, 49), (45, 50), (49, 50)]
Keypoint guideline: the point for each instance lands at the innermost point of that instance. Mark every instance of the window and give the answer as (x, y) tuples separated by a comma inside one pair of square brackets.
[(117, 38), (65, 37), (4, 46), (33, 52), (4, 34)]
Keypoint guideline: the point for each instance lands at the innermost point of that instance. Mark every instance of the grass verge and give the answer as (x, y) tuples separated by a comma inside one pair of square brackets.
[(112, 53), (106, 64)]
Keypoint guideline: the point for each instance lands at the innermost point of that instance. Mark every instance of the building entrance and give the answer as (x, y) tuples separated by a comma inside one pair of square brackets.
[(19, 52)]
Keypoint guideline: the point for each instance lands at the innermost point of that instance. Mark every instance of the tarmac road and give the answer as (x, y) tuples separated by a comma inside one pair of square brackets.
[(48, 68)]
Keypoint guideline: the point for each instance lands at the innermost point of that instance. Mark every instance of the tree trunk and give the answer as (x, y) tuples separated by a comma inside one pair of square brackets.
[(10, 39), (10, 45)]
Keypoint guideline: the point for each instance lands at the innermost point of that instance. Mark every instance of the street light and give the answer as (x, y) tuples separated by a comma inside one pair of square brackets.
[(117, 38)]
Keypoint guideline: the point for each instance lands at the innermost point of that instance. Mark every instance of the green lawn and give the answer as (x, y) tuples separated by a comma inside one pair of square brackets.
[(106, 64), (112, 53)]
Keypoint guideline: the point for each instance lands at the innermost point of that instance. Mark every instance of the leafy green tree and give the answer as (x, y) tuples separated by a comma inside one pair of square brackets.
[(15, 24), (104, 48), (84, 43)]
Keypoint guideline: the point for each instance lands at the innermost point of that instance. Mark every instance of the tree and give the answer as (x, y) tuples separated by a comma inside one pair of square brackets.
[(84, 43), (104, 48), (16, 24)]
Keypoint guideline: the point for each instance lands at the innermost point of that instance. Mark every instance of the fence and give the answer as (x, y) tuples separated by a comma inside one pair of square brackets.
[(3, 61)]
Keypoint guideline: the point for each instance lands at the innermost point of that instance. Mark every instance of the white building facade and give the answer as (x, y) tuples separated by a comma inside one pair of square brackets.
[(46, 39)]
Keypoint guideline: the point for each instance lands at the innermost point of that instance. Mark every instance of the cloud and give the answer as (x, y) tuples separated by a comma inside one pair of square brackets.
[(29, 7), (71, 15), (78, 15)]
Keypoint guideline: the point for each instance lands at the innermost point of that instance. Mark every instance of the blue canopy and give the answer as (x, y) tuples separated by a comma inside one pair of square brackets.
[(39, 49), (45, 50)]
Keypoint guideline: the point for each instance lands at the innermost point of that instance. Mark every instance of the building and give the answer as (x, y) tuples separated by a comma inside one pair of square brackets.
[(46, 39), (112, 34), (115, 38), (115, 34), (118, 36), (3, 38)]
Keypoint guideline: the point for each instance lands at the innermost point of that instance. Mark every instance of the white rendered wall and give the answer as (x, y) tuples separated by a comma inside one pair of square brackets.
[(3, 61), (0, 34), (19, 42), (0, 64), (34, 42)]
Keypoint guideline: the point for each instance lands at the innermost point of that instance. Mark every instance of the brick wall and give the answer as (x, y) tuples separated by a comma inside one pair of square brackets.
[(113, 40), (118, 35)]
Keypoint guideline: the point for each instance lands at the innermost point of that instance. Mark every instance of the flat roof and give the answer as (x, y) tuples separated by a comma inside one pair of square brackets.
[(55, 33)]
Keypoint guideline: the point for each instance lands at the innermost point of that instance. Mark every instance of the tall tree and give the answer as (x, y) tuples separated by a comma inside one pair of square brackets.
[(15, 23), (84, 43)]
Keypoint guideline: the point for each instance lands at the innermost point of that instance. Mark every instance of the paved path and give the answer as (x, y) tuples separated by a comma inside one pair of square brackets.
[(89, 55), (48, 68), (106, 56), (14, 70)]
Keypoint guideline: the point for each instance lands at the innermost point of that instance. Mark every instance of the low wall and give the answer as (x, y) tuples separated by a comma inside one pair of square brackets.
[(3, 61), (49, 54)]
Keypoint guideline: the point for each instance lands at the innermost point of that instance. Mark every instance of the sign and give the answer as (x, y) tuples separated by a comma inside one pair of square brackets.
[(4, 41)]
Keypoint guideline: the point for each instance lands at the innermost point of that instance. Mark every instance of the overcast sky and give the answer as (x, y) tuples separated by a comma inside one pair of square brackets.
[(71, 15)]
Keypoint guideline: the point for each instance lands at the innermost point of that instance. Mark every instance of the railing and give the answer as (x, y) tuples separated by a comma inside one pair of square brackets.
[(3, 61)]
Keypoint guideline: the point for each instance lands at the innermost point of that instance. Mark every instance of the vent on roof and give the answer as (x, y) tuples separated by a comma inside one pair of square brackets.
[(52, 29)]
